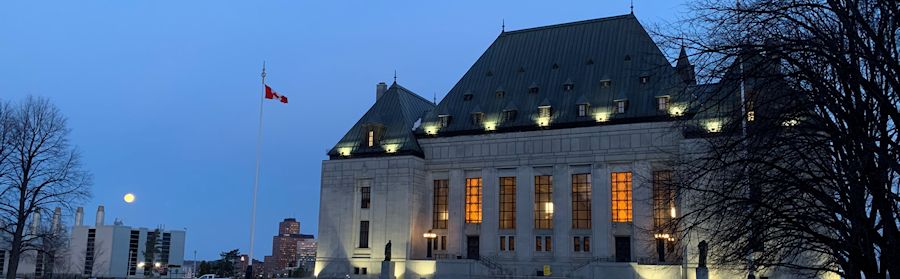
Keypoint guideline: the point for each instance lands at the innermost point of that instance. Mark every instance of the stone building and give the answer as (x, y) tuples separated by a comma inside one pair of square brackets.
[(550, 156)]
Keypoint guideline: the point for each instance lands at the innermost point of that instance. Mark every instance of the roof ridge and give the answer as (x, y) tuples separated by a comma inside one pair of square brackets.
[(567, 24), (410, 92)]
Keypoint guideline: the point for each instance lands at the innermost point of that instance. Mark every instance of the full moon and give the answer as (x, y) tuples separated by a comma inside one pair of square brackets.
[(129, 198)]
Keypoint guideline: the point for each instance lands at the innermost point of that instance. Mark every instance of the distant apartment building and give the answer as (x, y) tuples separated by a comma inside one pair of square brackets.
[(290, 249), (306, 252), (241, 266), (122, 251), (284, 245)]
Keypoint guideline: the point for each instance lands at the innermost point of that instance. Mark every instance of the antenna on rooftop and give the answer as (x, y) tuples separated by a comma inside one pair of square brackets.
[(395, 76), (632, 6), (503, 26), (434, 98)]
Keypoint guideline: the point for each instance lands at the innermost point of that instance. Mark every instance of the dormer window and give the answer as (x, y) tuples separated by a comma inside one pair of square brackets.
[(500, 93), (534, 89), (582, 110), (662, 103), (605, 83), (477, 118), (644, 79), (544, 111), (468, 96), (621, 105), (569, 86), (509, 115), (372, 133), (444, 120)]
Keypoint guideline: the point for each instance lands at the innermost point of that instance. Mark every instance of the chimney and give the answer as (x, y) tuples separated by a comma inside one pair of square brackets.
[(99, 216), (54, 224), (79, 216), (380, 89), (36, 221)]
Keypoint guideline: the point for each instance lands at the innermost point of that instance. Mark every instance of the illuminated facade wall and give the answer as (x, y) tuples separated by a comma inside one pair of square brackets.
[(471, 169)]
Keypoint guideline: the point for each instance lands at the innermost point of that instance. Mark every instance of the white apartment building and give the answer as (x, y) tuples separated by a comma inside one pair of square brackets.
[(120, 251)]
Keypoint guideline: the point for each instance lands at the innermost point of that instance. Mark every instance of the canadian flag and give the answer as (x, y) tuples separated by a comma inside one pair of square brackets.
[(271, 94)]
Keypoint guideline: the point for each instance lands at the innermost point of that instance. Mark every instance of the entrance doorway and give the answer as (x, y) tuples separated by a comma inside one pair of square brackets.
[(472, 247), (623, 249)]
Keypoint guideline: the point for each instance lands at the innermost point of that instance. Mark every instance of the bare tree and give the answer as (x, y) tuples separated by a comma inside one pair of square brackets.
[(53, 246), (39, 170), (797, 167)]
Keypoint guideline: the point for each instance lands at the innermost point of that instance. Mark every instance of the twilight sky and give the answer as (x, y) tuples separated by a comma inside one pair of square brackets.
[(162, 96)]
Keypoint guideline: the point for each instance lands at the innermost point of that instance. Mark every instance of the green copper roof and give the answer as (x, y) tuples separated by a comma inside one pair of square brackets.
[(594, 62), (391, 120)]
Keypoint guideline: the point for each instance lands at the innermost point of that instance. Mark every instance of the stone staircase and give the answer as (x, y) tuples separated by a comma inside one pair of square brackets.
[(496, 269)]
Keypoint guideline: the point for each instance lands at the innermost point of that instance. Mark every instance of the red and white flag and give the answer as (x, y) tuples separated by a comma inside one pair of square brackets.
[(271, 94)]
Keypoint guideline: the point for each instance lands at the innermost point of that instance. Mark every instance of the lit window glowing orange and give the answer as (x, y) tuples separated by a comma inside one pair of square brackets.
[(621, 196), (473, 200), (543, 202)]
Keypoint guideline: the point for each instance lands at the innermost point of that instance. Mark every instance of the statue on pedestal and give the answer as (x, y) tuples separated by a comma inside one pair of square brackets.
[(702, 247), (387, 251), (702, 272)]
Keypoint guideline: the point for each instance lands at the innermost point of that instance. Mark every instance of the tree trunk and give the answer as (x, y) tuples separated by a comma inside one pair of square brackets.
[(15, 251)]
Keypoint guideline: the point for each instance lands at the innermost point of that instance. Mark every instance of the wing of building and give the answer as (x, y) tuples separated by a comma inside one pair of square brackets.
[(546, 158)]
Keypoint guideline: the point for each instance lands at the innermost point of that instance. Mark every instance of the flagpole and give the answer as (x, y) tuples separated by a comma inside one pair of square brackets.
[(249, 274)]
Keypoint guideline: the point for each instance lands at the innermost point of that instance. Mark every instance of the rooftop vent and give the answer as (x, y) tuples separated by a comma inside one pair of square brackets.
[(534, 89), (490, 74), (644, 79), (606, 83), (521, 69), (569, 85), (589, 62), (555, 66)]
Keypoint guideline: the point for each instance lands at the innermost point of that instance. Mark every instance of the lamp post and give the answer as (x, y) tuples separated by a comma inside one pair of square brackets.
[(430, 236)]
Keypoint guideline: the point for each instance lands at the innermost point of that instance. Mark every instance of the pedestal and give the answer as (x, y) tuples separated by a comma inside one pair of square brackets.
[(702, 273), (387, 270)]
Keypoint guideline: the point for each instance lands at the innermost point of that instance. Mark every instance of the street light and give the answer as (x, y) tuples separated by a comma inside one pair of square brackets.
[(141, 264), (430, 236)]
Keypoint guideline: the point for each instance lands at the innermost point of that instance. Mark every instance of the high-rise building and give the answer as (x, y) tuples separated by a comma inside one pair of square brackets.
[(306, 252), (284, 245), (288, 248)]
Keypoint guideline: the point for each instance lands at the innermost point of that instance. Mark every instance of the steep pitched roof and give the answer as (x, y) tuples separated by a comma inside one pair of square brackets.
[(550, 58), (391, 119)]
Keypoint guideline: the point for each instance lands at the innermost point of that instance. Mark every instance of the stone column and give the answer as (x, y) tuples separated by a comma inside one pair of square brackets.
[(644, 245), (562, 212), (457, 208), (600, 210), (490, 212), (525, 213)]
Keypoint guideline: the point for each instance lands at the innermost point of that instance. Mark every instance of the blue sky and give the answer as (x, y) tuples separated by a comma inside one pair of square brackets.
[(162, 96)]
